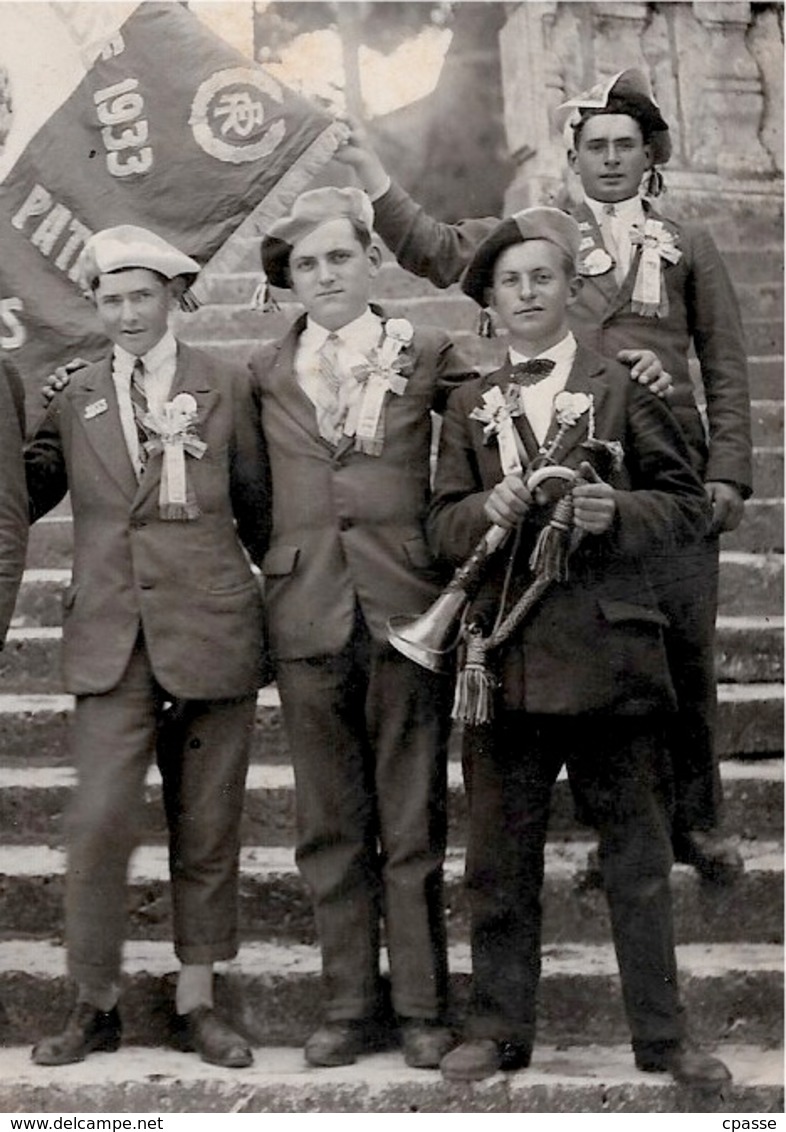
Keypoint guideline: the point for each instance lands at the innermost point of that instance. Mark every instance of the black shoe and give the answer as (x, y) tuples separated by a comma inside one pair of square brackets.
[(687, 1066), (87, 1030), (202, 1031), (340, 1043), (425, 1042), (713, 857), (474, 1060)]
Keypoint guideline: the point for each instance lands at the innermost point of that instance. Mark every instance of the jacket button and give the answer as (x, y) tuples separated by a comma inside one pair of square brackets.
[(145, 585), (345, 524), (195, 744)]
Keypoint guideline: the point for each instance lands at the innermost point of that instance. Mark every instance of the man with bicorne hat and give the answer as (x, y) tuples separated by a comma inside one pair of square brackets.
[(346, 400), (163, 458), (565, 660), (648, 282)]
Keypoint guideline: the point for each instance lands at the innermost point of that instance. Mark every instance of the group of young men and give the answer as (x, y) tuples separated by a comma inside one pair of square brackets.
[(314, 464)]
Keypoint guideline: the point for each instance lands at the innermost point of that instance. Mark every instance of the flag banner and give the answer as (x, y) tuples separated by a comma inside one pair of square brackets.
[(124, 113)]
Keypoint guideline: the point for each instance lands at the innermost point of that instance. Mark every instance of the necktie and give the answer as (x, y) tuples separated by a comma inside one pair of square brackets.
[(139, 405), (329, 409), (532, 371), (608, 228)]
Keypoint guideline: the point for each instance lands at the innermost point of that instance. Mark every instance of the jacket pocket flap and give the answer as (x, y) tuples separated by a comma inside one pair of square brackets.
[(617, 611), (280, 560)]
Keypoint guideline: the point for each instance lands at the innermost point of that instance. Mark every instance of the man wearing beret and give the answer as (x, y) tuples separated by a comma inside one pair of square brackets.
[(346, 400), (162, 635), (648, 282), (577, 668)]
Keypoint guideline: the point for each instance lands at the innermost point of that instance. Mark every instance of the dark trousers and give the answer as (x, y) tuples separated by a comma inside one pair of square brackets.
[(510, 768), (202, 748), (368, 734), (686, 587)]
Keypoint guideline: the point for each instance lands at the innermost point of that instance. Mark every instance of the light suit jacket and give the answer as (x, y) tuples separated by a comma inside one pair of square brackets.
[(348, 528), (187, 585)]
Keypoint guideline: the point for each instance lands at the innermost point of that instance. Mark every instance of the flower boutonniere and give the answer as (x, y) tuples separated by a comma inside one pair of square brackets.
[(171, 429), (386, 370), (569, 408), (658, 248), (496, 414), (595, 262)]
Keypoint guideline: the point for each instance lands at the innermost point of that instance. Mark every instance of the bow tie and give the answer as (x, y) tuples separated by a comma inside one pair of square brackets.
[(531, 372)]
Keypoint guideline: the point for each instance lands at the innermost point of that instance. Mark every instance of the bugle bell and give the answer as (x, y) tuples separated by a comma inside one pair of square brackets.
[(430, 638)]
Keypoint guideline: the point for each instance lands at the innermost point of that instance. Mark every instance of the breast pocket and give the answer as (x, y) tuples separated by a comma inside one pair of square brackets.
[(280, 561)]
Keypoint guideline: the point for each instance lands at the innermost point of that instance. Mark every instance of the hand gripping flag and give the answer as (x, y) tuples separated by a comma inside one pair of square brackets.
[(130, 113)]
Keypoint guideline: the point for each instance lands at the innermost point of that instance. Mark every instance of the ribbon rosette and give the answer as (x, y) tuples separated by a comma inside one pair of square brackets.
[(171, 426), (496, 415), (658, 247), (383, 371), (569, 407)]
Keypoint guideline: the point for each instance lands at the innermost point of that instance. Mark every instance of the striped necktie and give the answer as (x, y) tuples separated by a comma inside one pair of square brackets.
[(608, 227), (329, 408), (139, 405)]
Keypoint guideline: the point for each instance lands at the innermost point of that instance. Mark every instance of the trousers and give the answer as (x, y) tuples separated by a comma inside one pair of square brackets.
[(510, 767), (368, 732), (202, 749)]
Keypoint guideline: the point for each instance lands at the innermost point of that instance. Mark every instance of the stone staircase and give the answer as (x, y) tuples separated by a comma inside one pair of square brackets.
[(729, 940)]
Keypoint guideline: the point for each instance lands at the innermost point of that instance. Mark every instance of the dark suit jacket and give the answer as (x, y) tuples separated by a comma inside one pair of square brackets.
[(13, 496), (348, 528), (593, 643), (703, 312), (187, 585)]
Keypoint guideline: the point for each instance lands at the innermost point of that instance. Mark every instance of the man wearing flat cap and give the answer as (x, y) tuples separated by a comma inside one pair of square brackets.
[(162, 635), (346, 400), (565, 660), (649, 283)]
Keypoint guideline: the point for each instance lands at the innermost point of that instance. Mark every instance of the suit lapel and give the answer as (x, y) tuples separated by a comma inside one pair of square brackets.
[(585, 367), (103, 429), (614, 296), (284, 386)]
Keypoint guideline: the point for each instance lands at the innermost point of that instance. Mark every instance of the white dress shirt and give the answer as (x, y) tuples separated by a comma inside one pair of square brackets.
[(356, 340), (159, 363), (537, 401), (626, 214)]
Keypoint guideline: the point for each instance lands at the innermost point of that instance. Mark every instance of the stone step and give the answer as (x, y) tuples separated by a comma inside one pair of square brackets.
[(452, 311), (731, 992), (33, 800), (561, 1079), (748, 649), (33, 727), (761, 530), (274, 903), (767, 421), (768, 472), (751, 584)]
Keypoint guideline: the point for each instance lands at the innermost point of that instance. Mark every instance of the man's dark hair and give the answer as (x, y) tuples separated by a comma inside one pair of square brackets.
[(119, 271), (640, 112)]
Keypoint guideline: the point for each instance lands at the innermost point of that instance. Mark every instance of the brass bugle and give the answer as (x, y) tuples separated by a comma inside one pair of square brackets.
[(430, 639)]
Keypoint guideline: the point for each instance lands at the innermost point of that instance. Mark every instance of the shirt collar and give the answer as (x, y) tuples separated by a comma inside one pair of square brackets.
[(163, 353), (362, 332), (630, 211), (562, 353)]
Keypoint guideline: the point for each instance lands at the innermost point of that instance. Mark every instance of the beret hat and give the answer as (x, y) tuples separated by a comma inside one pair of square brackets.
[(310, 210), (127, 246), (542, 223)]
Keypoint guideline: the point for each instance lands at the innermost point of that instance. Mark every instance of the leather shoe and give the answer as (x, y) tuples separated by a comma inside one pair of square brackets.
[(474, 1060), (87, 1030), (687, 1066), (713, 857), (340, 1043), (425, 1042), (202, 1031)]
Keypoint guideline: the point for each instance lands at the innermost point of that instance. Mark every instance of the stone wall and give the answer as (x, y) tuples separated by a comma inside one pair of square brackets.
[(716, 71)]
